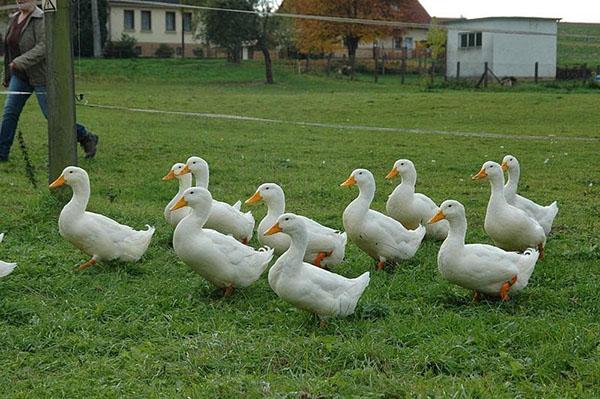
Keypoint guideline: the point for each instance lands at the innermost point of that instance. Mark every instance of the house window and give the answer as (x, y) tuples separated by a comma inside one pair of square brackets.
[(170, 21), (128, 20), (408, 43), (187, 21), (397, 43), (146, 21), (471, 39)]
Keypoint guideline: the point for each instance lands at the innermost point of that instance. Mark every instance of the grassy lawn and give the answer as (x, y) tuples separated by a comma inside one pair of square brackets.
[(579, 50), (152, 329)]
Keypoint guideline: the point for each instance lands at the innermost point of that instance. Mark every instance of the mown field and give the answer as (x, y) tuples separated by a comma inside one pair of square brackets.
[(581, 49), (154, 329)]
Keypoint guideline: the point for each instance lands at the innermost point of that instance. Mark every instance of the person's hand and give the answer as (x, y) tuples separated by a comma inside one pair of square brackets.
[(12, 66)]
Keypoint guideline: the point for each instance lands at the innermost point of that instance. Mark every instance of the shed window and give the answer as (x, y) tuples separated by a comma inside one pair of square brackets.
[(128, 20), (471, 39), (170, 21)]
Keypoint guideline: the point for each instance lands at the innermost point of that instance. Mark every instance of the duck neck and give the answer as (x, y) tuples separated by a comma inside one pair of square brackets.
[(200, 216), (365, 195), (497, 183), (299, 242), (185, 182), (81, 196), (513, 179), (201, 177), (276, 206), (457, 232), (408, 183)]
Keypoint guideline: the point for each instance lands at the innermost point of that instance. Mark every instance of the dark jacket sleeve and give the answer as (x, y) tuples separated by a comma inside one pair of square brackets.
[(6, 70), (38, 52)]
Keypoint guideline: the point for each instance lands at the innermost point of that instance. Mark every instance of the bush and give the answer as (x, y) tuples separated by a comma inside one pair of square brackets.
[(199, 52), (124, 48), (164, 51)]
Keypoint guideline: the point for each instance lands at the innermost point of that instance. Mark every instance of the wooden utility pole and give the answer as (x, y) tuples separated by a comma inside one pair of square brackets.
[(96, 30), (62, 145)]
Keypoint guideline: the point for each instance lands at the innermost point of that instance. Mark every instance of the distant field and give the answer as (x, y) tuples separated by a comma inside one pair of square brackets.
[(579, 50), (153, 330)]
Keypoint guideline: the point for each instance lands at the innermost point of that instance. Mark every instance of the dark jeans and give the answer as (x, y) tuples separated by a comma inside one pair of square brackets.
[(13, 107)]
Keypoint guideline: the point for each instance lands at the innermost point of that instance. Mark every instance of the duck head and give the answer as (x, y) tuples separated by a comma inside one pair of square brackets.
[(175, 172), (199, 168), (402, 167), (267, 192), (450, 210), (289, 224), (489, 169), (71, 175), (510, 163), (360, 177), (197, 198)]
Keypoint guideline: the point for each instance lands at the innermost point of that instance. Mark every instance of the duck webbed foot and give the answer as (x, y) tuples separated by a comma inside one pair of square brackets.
[(85, 265)]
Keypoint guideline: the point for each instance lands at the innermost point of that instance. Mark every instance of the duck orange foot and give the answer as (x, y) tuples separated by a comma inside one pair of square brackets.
[(506, 287), (320, 256)]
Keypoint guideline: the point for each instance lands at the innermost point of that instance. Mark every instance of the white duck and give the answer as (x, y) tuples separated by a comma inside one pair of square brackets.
[(543, 214), (224, 218), (96, 235), (482, 268), (185, 182), (6, 268), (307, 287), (383, 238), (510, 227), (410, 208), (219, 258), (325, 246)]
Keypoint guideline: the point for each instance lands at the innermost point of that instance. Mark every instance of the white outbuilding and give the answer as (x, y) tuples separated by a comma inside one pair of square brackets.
[(510, 45)]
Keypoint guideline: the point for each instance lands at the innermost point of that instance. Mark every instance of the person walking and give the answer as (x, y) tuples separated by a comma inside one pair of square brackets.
[(25, 73)]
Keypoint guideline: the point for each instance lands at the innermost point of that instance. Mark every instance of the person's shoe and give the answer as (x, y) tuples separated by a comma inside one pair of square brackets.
[(90, 145)]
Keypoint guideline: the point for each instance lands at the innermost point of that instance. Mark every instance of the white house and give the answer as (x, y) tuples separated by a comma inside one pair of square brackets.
[(153, 23), (510, 45)]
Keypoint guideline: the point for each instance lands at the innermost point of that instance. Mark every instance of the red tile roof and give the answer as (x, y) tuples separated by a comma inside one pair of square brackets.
[(414, 12)]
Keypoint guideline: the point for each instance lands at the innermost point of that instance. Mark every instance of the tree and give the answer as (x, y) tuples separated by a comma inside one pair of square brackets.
[(317, 34), (83, 32), (436, 38), (234, 30), (229, 29)]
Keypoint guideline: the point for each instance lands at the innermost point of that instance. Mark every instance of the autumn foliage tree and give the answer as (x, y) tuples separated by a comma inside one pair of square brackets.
[(322, 36)]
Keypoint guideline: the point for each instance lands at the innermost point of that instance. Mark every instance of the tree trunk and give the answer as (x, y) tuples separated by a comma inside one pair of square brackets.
[(268, 64), (352, 45)]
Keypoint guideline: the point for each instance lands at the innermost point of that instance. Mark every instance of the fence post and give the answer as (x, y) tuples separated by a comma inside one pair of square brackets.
[(403, 68), (537, 70), (458, 70), (485, 76)]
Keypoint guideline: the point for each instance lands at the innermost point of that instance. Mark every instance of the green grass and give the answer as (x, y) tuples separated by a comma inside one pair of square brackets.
[(152, 329), (579, 50)]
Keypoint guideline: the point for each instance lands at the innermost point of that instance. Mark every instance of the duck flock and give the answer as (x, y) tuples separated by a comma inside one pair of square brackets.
[(211, 237)]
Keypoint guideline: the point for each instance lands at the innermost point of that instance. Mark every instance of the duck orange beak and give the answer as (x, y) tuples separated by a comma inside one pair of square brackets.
[(274, 229), (58, 182), (437, 217), (393, 173), (185, 170), (179, 204), (169, 176), (504, 166), (349, 182), (255, 198), (480, 175)]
